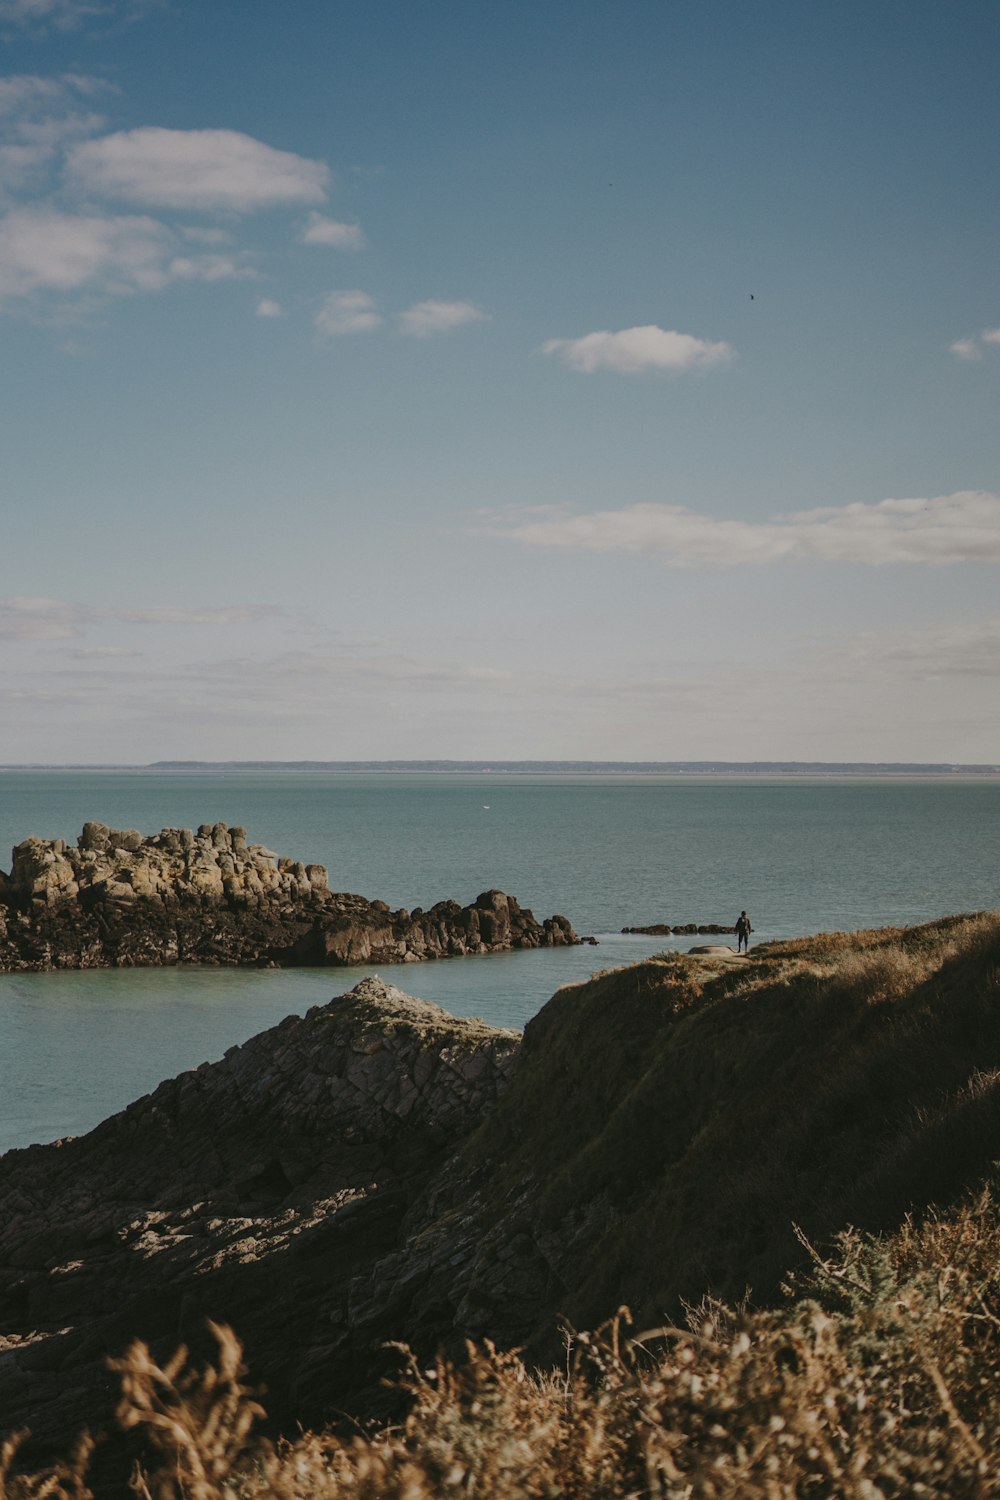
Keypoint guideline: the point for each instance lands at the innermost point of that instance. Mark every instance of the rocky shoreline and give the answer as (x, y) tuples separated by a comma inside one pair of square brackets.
[(119, 899)]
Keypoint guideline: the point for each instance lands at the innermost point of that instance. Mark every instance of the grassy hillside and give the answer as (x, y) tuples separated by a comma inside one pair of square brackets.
[(687, 1113)]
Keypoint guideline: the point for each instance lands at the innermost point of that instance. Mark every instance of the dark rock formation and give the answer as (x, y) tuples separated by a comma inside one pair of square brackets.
[(122, 900), (261, 1190)]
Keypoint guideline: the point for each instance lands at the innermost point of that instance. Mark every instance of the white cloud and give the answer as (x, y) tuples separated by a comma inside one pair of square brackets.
[(347, 312), (45, 249), (964, 527), (634, 351), (268, 308), (990, 335), (320, 230), (221, 170), (424, 318)]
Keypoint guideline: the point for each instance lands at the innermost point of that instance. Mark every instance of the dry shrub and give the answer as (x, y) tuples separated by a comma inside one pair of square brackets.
[(878, 1381), (199, 1420), (889, 970), (66, 1480), (877, 975)]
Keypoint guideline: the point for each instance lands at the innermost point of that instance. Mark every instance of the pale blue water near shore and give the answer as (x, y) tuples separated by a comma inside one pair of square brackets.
[(801, 855)]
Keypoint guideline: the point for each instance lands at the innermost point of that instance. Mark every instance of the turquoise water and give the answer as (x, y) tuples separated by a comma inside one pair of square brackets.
[(800, 855)]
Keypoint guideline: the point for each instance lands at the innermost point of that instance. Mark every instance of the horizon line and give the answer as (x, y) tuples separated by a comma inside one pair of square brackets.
[(483, 766)]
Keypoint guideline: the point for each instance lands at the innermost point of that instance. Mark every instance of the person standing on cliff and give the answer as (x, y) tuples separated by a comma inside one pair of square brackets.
[(743, 931)]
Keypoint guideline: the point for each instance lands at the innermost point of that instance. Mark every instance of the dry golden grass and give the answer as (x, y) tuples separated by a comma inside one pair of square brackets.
[(877, 1381)]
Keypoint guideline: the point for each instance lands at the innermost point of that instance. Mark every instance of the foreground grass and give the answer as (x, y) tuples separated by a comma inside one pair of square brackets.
[(877, 1379)]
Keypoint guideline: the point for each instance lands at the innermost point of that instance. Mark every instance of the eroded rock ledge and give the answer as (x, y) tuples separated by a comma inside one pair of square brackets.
[(119, 899)]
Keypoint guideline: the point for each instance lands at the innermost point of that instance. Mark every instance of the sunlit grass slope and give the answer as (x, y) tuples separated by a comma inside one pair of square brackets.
[(693, 1111)]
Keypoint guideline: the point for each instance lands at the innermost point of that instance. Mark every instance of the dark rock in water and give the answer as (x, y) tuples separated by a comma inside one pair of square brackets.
[(121, 900), (663, 929)]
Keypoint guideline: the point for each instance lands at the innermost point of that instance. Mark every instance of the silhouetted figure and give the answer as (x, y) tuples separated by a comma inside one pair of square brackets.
[(743, 931)]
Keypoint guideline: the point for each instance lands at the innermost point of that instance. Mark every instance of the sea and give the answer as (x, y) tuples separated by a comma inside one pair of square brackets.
[(801, 854)]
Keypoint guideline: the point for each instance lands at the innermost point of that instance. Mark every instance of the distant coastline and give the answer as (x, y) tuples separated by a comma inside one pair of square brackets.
[(539, 767)]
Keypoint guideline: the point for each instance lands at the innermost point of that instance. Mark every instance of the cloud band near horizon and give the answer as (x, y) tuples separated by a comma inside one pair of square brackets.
[(958, 528)]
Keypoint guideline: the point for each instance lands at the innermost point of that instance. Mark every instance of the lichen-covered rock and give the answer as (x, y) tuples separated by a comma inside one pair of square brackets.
[(120, 899)]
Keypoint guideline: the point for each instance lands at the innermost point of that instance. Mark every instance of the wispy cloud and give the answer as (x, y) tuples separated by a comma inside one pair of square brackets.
[(28, 618), (425, 318), (968, 648), (959, 528), (209, 268), (216, 170), (638, 351), (972, 348), (319, 230), (28, 95), (268, 308), (347, 312), (40, 115), (66, 15)]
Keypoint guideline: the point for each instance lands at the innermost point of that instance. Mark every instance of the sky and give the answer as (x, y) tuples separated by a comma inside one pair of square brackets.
[(570, 379)]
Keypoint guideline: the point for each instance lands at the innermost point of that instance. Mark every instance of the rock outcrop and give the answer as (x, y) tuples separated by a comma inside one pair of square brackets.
[(261, 1190), (118, 899)]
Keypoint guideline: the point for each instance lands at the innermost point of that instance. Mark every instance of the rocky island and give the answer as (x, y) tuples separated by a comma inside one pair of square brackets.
[(119, 899)]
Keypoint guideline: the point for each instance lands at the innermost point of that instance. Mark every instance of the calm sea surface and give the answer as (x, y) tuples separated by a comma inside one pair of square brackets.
[(607, 852)]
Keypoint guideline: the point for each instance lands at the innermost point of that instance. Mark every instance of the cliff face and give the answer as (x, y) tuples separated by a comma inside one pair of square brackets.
[(119, 899), (379, 1171)]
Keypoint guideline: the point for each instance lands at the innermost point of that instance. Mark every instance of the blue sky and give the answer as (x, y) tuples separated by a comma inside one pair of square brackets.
[(540, 379)]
